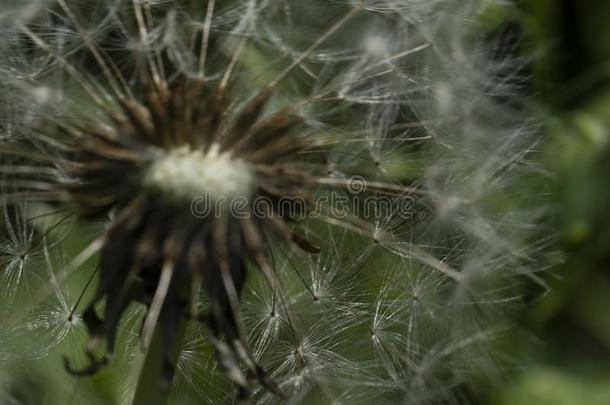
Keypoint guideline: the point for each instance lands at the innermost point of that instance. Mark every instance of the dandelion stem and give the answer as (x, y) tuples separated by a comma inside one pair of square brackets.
[(154, 384)]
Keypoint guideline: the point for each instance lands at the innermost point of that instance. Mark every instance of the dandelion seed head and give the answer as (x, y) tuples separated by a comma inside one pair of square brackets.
[(125, 106)]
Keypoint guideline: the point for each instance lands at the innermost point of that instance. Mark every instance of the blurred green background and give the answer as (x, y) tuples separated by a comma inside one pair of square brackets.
[(564, 338)]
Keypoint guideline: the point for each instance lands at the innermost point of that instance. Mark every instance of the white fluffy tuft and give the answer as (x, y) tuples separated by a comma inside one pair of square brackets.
[(183, 174)]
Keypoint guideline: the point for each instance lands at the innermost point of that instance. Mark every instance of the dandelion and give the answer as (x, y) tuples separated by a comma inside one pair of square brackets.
[(307, 190)]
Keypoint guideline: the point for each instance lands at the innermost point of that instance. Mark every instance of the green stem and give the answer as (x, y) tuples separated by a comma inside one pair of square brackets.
[(151, 389)]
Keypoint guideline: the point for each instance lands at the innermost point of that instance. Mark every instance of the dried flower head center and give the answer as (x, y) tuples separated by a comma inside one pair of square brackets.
[(184, 174)]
